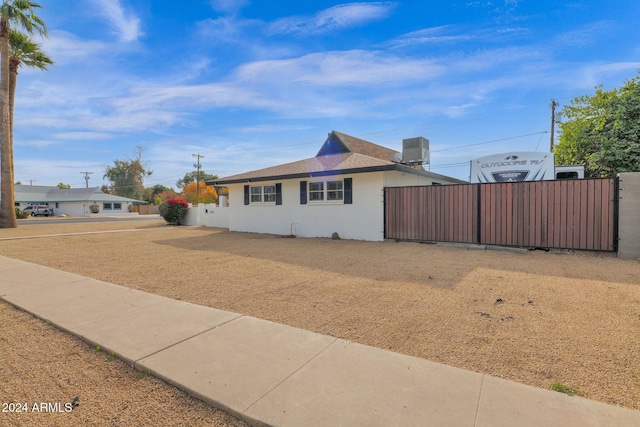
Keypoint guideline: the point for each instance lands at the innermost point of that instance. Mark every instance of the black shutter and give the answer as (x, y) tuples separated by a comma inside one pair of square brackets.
[(348, 191), (303, 192), (278, 194), (246, 194)]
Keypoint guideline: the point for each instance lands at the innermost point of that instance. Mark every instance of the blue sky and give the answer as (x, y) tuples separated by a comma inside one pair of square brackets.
[(251, 84)]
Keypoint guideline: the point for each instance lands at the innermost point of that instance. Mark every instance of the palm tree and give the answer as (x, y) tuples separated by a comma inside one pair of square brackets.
[(22, 51), (19, 13)]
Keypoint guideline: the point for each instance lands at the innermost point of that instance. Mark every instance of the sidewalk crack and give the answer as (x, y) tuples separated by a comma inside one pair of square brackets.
[(475, 421), (135, 362), (290, 375)]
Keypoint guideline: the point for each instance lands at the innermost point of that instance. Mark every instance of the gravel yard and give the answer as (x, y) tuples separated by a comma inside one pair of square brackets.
[(537, 318)]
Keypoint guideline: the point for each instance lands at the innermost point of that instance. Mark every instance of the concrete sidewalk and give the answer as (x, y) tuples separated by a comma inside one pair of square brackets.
[(272, 374)]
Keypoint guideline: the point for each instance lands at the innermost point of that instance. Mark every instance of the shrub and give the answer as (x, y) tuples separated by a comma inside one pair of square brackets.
[(174, 210), (20, 214)]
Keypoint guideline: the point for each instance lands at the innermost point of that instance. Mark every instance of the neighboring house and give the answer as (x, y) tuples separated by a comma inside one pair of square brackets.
[(339, 190), (74, 201)]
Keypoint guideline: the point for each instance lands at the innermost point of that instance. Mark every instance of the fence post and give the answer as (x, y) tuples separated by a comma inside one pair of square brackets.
[(479, 215)]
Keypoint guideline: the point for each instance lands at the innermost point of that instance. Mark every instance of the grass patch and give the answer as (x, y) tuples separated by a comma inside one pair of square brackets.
[(144, 374), (111, 357), (563, 388)]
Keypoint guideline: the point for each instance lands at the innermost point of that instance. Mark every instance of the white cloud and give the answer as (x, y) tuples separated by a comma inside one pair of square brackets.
[(38, 143), (429, 36), (333, 19), (228, 6), (82, 136), (356, 67), (594, 74), (585, 35), (126, 26), (224, 29), (272, 128), (65, 48)]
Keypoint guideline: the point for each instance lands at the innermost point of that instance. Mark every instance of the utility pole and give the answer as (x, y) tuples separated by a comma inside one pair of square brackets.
[(554, 104), (31, 181), (197, 165), (86, 177)]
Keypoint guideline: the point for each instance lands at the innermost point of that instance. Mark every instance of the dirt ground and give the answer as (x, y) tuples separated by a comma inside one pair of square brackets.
[(536, 318)]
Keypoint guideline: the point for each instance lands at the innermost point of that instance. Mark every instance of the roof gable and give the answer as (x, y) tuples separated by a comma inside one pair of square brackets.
[(333, 145), (339, 143)]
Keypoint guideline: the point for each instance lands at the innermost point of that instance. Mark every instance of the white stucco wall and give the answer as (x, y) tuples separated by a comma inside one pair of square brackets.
[(214, 216), (361, 220), (208, 215)]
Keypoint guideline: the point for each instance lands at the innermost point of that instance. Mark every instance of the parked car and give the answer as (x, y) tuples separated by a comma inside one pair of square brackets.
[(38, 210)]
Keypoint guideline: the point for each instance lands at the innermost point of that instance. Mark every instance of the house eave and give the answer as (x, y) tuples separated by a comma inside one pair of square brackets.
[(352, 171)]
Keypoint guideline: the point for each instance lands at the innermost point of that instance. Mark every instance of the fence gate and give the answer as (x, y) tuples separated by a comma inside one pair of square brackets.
[(571, 214)]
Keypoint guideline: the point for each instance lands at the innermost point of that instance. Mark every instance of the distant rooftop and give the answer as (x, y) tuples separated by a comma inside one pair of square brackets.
[(40, 193)]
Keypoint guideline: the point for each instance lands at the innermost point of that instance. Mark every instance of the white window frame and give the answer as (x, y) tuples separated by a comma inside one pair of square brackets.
[(316, 191), (322, 195), (335, 191), (265, 196), (255, 196), (269, 193)]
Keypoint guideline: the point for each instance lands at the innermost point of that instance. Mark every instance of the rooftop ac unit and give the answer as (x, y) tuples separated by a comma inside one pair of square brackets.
[(415, 150)]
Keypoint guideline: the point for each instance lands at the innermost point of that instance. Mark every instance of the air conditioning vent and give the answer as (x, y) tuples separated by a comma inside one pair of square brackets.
[(415, 150)]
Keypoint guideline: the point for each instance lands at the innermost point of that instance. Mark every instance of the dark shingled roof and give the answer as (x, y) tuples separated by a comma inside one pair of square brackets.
[(340, 154)]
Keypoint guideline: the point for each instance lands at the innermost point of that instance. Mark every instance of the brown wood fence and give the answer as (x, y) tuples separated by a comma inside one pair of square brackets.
[(571, 214)]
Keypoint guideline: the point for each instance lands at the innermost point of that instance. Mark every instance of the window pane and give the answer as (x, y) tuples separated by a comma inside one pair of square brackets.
[(256, 194), (316, 191), (117, 206), (334, 185), (269, 193), (334, 190), (106, 206), (334, 195)]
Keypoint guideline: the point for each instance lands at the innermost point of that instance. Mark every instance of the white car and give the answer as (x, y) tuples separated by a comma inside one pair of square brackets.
[(37, 210)]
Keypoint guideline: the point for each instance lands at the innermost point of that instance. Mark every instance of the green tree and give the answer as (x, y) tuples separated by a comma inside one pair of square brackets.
[(127, 176), (63, 186), (192, 176), (151, 193), (19, 14), (602, 131)]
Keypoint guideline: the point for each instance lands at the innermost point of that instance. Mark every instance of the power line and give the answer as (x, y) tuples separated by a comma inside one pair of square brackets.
[(488, 142)]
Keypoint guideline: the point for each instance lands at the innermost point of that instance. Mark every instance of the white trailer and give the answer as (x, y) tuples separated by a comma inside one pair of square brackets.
[(521, 166), (513, 167)]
